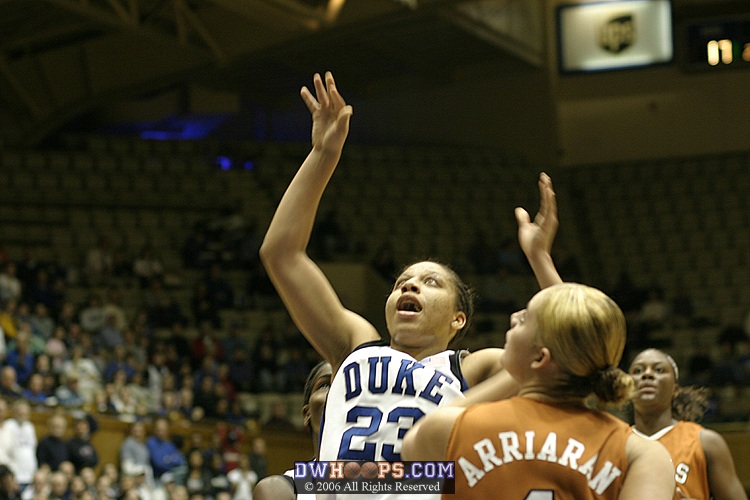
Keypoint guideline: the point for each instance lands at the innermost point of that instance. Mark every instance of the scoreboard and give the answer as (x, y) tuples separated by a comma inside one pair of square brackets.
[(718, 44)]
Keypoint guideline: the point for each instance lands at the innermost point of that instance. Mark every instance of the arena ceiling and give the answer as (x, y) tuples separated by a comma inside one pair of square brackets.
[(59, 59)]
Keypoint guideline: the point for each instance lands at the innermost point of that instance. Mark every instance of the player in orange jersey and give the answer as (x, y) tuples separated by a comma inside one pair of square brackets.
[(546, 443), (666, 412)]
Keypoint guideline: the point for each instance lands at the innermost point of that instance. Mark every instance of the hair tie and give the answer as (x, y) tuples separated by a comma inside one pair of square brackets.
[(674, 366)]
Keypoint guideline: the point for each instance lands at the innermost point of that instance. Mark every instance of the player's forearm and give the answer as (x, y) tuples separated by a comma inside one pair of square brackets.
[(544, 269), (497, 387), (293, 222)]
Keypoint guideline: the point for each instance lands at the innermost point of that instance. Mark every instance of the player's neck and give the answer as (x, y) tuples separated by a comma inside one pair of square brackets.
[(419, 352), (651, 423), (541, 392)]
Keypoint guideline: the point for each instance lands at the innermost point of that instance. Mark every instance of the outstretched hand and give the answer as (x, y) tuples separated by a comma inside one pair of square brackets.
[(330, 114), (538, 236)]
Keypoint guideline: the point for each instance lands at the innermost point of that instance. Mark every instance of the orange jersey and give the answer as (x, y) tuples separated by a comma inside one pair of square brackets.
[(683, 442), (523, 449)]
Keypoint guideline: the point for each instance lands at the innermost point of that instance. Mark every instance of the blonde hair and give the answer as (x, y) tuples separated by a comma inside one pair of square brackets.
[(585, 332)]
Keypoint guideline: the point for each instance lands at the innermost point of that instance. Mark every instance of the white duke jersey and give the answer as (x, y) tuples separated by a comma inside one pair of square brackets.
[(376, 396)]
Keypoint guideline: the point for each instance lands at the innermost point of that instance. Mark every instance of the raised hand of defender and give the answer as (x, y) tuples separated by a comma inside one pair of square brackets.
[(538, 236), (330, 114)]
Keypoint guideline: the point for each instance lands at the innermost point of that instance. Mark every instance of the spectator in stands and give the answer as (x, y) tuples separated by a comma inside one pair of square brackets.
[(56, 349), (134, 483), (105, 488), (67, 315), (110, 336), (35, 392), (120, 361), (147, 266), (6, 439), (205, 344), (92, 317), (99, 263), (224, 385), (80, 448), (23, 461), (198, 478), (120, 399), (52, 449), (8, 322), (279, 420), (39, 487), (67, 393), (59, 486), (10, 286), (36, 343), (21, 359), (113, 307), (186, 401), (243, 479), (77, 488), (234, 340), (9, 387), (157, 371), (9, 487), (165, 456), (84, 369), (258, 457), (219, 482), (140, 394), (134, 452), (205, 395), (42, 324)]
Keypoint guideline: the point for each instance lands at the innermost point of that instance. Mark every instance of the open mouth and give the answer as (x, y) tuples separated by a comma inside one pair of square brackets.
[(408, 305)]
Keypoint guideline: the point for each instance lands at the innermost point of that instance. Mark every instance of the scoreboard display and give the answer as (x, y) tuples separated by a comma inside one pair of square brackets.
[(718, 44)]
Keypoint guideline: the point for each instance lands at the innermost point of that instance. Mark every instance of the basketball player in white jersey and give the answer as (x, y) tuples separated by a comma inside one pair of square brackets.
[(380, 389)]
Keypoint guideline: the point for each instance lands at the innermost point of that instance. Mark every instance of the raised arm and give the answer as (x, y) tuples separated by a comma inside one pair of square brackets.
[(309, 297), (536, 237), (536, 240), (722, 476), (650, 471)]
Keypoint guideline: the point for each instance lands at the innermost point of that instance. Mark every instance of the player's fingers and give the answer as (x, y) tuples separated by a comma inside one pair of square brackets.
[(320, 91), (310, 101), (522, 216), (333, 91)]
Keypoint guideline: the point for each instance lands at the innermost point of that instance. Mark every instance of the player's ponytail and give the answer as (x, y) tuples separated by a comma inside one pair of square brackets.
[(585, 332)]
